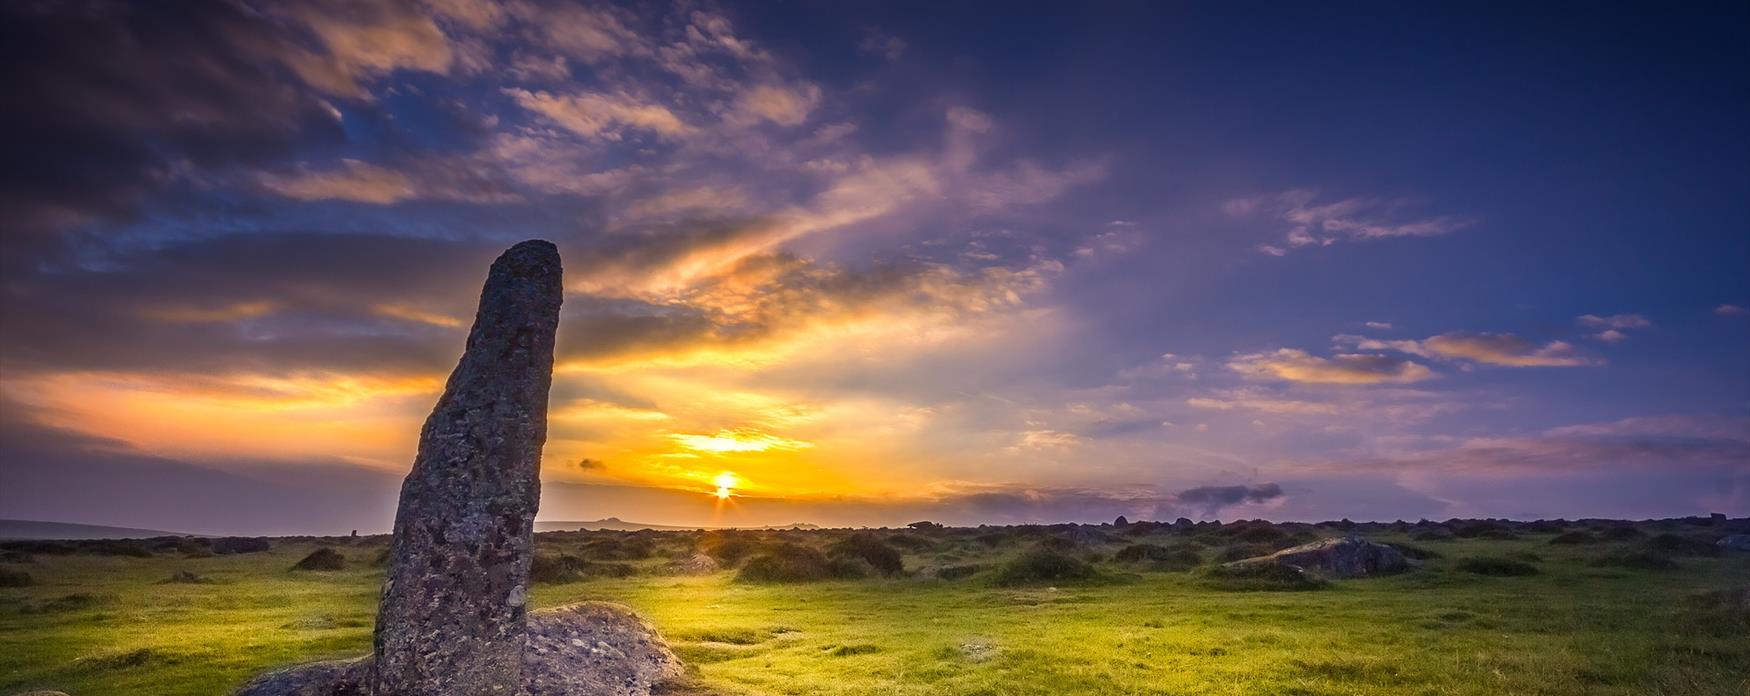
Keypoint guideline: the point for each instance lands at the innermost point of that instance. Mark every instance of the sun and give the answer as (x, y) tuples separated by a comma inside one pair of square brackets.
[(726, 483)]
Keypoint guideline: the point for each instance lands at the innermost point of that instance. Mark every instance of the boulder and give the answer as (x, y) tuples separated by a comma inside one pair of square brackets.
[(1338, 557), (591, 648), (595, 648), (1735, 542), (334, 678)]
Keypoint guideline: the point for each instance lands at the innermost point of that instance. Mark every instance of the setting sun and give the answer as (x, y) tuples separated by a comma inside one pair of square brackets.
[(726, 483)]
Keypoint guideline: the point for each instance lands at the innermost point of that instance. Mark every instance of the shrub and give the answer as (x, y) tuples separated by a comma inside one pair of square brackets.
[(611, 549), (115, 547), (1240, 552), (1416, 553), (1261, 535), (1639, 560), (1259, 577), (787, 563), (957, 572), (322, 559), (1178, 558), (1485, 530), (1681, 546), (1622, 533), (1043, 565), (880, 556), (1056, 544), (911, 541), (1496, 567), (1721, 612), (730, 550), (547, 569), (230, 545), (14, 578), (1575, 538)]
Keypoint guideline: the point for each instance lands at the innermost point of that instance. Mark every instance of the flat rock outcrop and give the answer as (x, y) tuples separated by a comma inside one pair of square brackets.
[(1338, 557)]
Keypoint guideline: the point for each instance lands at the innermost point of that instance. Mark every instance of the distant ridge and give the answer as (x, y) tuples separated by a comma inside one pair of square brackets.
[(32, 529), (615, 524)]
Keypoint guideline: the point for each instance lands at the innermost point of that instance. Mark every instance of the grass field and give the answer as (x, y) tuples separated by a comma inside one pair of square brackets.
[(93, 624)]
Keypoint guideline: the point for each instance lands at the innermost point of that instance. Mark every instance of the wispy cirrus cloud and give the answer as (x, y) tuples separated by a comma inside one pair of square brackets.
[(1311, 222), (1503, 349), (1294, 365), (1611, 329)]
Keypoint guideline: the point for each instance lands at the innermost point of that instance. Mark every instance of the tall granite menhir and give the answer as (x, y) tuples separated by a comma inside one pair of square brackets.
[(453, 616)]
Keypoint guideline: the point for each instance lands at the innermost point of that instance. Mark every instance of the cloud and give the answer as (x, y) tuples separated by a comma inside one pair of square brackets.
[(1352, 219), (1614, 321), (1501, 349), (1211, 499), (1289, 364), (1731, 310), (1379, 325), (785, 105), (1611, 327), (606, 116), (363, 182), (1285, 406), (1504, 349), (876, 43)]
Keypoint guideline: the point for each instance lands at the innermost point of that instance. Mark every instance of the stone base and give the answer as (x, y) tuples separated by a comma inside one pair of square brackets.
[(591, 648)]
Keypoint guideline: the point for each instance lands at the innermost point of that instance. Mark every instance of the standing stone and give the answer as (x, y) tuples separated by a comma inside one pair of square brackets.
[(453, 616)]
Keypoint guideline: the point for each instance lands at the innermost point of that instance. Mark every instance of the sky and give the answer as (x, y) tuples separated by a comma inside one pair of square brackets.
[(869, 263)]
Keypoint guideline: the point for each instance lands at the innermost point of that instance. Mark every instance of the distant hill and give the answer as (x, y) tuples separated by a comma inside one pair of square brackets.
[(618, 525), (31, 529)]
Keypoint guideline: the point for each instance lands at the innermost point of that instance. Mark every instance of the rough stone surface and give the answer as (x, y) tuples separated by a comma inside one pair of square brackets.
[(453, 616), (595, 648), (698, 564), (588, 649), (1340, 557), (335, 678), (1735, 542)]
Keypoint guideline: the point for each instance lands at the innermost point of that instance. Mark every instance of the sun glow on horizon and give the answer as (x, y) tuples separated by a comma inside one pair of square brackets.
[(726, 483)]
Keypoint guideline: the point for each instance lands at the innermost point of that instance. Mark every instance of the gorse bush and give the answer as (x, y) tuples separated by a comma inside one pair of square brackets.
[(788, 563), (1496, 567), (880, 556), (1043, 565), (1260, 576), (1677, 545), (322, 559)]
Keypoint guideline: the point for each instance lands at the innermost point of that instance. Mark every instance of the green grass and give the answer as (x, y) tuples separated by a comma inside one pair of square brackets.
[(97, 625)]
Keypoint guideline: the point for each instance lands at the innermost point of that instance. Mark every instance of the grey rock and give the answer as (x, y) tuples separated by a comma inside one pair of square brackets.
[(595, 648), (587, 649), (334, 678), (453, 617), (1735, 542), (1339, 557)]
